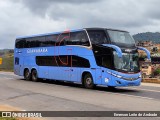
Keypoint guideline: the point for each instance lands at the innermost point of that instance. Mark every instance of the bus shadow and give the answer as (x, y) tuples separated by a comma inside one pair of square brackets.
[(97, 88)]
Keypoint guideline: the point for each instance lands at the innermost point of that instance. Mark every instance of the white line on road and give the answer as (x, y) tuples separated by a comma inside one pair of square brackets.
[(130, 95), (6, 73), (7, 78), (143, 89), (150, 98), (134, 96)]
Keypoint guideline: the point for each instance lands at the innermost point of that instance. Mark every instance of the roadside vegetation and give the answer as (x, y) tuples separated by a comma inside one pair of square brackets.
[(7, 60), (8, 118), (157, 72)]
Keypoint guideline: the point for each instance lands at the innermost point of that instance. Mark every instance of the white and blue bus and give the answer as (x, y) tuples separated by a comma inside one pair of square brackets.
[(91, 56)]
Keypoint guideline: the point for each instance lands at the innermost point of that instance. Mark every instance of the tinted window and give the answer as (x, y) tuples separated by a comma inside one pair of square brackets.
[(78, 38), (20, 43), (34, 42), (16, 61), (51, 40), (65, 61), (80, 62), (104, 61), (98, 36), (119, 37), (46, 61), (63, 39), (73, 38)]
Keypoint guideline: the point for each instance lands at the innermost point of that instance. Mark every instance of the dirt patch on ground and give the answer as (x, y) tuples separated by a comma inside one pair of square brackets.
[(10, 108)]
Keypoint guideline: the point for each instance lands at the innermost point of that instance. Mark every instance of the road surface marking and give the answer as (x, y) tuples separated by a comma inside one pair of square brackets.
[(134, 96), (143, 89), (7, 78)]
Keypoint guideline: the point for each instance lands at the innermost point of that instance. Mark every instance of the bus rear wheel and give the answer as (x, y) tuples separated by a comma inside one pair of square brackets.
[(88, 81), (34, 76), (27, 75)]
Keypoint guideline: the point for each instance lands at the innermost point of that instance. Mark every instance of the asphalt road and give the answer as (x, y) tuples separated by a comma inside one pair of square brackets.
[(59, 96)]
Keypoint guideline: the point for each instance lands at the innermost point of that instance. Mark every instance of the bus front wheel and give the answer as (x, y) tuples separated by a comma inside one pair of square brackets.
[(88, 81), (27, 75), (34, 76)]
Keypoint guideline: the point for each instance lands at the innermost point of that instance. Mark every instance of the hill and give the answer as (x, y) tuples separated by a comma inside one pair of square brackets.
[(148, 36)]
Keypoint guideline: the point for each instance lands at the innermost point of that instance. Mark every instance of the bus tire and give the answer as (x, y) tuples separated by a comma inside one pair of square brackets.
[(88, 81), (34, 75), (27, 75)]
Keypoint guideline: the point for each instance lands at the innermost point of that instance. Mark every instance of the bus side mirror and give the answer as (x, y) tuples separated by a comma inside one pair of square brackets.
[(118, 49), (146, 51)]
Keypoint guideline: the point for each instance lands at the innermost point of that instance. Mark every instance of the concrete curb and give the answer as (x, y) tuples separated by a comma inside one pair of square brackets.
[(151, 80)]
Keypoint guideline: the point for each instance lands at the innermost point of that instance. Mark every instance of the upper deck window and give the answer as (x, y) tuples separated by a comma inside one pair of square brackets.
[(98, 36), (120, 37), (71, 38), (78, 38)]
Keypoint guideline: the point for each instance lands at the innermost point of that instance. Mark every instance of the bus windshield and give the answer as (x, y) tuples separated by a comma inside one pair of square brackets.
[(128, 62), (120, 37)]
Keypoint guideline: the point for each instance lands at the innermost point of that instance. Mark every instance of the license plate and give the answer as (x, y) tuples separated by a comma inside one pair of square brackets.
[(130, 84)]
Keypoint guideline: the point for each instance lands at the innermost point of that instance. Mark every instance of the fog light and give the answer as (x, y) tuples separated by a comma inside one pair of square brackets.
[(118, 82)]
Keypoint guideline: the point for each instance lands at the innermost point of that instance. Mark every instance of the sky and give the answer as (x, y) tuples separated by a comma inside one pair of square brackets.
[(27, 17)]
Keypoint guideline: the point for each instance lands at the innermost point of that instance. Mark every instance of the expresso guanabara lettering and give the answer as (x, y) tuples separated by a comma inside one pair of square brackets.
[(39, 50)]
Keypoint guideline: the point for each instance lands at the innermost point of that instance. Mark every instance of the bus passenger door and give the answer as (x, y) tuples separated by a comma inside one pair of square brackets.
[(106, 69)]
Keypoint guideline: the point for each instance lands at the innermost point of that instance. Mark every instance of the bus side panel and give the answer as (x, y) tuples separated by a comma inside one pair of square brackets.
[(106, 77), (75, 74), (30, 63), (18, 62), (59, 73), (43, 72), (98, 76)]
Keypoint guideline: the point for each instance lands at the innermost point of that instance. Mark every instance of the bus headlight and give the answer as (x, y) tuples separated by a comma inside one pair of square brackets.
[(119, 76), (116, 75)]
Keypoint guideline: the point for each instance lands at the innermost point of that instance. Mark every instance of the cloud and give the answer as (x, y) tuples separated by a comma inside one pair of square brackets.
[(25, 17), (40, 7)]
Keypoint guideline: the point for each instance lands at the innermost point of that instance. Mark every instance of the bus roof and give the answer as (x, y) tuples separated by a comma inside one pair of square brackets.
[(39, 35), (105, 29), (74, 30)]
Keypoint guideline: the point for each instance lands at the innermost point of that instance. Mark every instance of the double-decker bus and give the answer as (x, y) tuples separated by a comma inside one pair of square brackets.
[(91, 56)]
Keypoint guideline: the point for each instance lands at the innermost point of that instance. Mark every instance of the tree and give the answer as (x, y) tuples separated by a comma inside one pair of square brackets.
[(157, 71)]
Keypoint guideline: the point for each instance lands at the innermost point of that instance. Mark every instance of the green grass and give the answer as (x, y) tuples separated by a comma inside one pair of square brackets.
[(7, 118), (7, 63)]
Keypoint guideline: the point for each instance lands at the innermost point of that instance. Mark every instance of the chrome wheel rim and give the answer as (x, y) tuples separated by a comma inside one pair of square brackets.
[(89, 81), (27, 74)]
